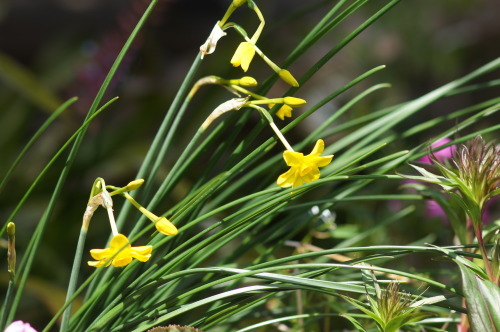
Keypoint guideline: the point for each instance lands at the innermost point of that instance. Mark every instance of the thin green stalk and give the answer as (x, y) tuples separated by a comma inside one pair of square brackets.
[(157, 152), (479, 235), (33, 139), (78, 141), (320, 63), (28, 258), (75, 271), (56, 156), (7, 304)]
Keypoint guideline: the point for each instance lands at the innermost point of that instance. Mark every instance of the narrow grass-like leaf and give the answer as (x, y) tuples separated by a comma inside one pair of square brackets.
[(482, 298)]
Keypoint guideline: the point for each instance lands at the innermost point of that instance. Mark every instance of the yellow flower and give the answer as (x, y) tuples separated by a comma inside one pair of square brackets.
[(284, 111), (303, 169), (124, 257), (243, 55), (287, 108)]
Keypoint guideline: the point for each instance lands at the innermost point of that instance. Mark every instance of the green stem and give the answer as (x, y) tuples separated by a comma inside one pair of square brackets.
[(27, 260), (6, 305), (479, 234), (74, 278)]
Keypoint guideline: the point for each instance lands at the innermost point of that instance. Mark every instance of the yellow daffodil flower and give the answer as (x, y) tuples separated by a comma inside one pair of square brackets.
[(284, 111), (243, 55), (124, 257), (303, 169)]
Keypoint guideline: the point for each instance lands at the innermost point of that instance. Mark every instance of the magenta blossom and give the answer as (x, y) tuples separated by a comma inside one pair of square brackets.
[(434, 210), (441, 155)]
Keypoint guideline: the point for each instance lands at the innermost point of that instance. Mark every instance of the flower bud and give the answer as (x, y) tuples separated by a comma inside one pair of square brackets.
[(294, 102), (133, 185), (164, 226), (11, 249), (287, 77), (248, 81), (237, 3)]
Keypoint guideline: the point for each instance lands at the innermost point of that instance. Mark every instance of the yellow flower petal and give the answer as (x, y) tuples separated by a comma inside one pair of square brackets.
[(142, 253), (303, 169), (120, 262), (118, 241), (243, 55), (324, 160), (319, 147), (99, 254), (284, 111), (287, 179), (293, 158), (121, 252)]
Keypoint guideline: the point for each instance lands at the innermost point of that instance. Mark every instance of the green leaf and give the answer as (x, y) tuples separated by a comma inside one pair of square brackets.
[(354, 322), (361, 306), (463, 261), (482, 298), (409, 317)]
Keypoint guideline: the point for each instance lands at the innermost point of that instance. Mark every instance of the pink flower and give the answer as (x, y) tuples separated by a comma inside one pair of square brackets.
[(432, 207), (441, 155), (19, 326)]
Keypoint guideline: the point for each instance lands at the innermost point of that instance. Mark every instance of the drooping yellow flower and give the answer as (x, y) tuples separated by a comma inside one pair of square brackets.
[(124, 257), (284, 111), (287, 108), (243, 55), (303, 169)]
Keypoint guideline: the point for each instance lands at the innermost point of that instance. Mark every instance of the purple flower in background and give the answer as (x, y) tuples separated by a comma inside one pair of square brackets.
[(19, 326), (433, 209), (441, 155)]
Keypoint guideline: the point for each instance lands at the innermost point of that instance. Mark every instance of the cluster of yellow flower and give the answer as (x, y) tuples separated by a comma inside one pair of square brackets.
[(120, 252), (303, 169)]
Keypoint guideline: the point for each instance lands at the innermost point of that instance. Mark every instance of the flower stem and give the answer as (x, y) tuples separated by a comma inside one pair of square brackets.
[(7, 304), (112, 221), (265, 114), (258, 32), (281, 137), (487, 264)]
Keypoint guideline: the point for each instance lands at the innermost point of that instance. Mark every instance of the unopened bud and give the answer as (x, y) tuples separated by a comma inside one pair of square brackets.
[(248, 81), (237, 3), (294, 102), (288, 77), (11, 249), (133, 185), (164, 226)]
